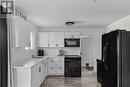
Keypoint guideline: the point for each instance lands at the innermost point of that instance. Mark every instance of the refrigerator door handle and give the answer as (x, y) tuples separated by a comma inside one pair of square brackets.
[(106, 57)]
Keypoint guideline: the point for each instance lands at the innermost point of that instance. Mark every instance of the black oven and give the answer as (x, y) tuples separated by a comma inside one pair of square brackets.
[(72, 66), (72, 42)]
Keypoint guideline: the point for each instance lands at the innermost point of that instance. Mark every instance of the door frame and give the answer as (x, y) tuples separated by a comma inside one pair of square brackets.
[(82, 37)]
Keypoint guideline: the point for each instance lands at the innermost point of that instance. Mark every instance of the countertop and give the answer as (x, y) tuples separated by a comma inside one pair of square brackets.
[(29, 62)]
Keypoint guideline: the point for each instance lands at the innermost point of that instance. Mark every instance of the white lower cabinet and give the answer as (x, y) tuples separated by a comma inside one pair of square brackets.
[(35, 75), (44, 69), (31, 76), (56, 66)]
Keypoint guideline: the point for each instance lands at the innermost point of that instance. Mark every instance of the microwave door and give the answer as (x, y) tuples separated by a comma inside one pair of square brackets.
[(72, 43)]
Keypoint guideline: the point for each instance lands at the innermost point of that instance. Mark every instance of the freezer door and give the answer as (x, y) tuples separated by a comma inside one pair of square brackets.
[(3, 53), (109, 58), (125, 59)]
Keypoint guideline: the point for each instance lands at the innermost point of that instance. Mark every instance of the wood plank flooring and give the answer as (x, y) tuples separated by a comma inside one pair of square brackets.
[(88, 79)]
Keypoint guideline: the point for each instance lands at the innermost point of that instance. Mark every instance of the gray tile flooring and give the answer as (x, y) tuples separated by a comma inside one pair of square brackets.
[(88, 79)]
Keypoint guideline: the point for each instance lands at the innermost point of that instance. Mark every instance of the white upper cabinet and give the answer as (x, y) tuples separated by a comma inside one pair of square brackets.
[(56, 39), (32, 36), (43, 39), (72, 34), (21, 32)]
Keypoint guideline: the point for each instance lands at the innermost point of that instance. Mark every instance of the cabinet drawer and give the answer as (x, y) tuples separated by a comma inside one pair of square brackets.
[(51, 63), (52, 70), (60, 70), (51, 59), (60, 58), (60, 61), (60, 65)]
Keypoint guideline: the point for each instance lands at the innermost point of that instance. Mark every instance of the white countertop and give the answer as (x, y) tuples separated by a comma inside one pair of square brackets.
[(29, 62)]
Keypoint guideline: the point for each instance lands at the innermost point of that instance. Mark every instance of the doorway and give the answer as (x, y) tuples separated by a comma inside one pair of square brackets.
[(87, 51)]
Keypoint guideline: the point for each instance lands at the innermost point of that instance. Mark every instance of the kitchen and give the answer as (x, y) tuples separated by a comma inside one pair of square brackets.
[(38, 55), (58, 50)]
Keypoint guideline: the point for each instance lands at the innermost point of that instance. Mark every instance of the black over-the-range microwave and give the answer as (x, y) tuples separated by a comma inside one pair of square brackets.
[(72, 42)]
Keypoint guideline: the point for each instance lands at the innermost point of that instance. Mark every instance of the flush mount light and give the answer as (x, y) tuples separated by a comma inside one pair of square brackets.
[(69, 23), (94, 1)]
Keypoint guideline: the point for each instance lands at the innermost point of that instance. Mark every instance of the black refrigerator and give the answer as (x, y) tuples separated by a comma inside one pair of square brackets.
[(116, 59), (3, 52)]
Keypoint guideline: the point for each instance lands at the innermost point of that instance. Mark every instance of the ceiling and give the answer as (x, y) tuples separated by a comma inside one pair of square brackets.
[(54, 13)]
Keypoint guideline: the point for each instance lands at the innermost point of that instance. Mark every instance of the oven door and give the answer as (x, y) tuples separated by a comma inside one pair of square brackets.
[(72, 67), (72, 42)]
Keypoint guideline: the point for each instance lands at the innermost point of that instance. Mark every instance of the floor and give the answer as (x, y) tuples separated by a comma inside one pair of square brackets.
[(88, 79)]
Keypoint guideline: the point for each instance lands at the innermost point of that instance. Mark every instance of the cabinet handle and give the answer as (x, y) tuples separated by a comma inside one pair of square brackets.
[(51, 68), (29, 43), (60, 61), (59, 68), (56, 45), (48, 45), (51, 61), (72, 36), (39, 69)]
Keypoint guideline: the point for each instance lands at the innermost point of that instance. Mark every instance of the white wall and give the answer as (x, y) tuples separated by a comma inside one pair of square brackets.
[(122, 24), (96, 32)]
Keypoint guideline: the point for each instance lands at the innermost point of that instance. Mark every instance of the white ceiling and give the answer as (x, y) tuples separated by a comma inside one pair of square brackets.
[(54, 13)]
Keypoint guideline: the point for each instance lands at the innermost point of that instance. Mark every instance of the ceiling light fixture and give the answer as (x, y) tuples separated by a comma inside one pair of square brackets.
[(69, 23), (94, 1)]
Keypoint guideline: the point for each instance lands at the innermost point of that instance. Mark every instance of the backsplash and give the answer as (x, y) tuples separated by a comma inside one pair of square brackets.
[(55, 51), (20, 54), (72, 51)]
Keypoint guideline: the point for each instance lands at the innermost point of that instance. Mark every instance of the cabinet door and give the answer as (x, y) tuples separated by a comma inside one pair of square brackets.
[(60, 39), (44, 69), (37, 74), (24, 34), (32, 35), (72, 34), (21, 32), (43, 39), (56, 39), (53, 39), (46, 61), (34, 79), (40, 72)]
